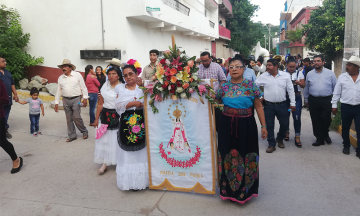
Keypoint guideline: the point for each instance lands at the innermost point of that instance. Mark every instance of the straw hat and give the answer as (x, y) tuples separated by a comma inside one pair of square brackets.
[(114, 61), (354, 60), (67, 62)]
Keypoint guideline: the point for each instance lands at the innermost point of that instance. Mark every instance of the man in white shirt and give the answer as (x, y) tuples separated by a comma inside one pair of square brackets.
[(347, 89), (259, 67), (276, 83), (71, 86), (298, 81)]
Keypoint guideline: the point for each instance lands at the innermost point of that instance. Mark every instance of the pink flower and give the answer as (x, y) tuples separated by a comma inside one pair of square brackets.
[(169, 152), (150, 87), (136, 129), (191, 90), (202, 89), (142, 125), (167, 51), (167, 62), (158, 98), (138, 70), (131, 61), (190, 63)]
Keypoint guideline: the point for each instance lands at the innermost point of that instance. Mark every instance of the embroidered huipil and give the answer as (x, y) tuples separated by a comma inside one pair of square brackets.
[(239, 95)]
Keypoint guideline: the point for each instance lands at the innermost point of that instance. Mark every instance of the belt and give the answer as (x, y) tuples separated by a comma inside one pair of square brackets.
[(351, 104), (70, 98), (275, 103), (233, 112), (321, 96)]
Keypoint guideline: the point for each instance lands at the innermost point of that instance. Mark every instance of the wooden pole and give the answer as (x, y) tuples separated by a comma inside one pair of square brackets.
[(173, 41)]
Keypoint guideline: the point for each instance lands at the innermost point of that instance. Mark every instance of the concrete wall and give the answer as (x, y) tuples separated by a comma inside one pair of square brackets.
[(60, 29), (222, 51)]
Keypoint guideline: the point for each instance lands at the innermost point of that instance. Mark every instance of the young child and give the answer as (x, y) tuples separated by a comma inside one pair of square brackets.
[(35, 104)]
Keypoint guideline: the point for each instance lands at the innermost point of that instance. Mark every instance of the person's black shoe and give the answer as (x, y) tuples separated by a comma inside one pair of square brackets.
[(8, 135), (328, 140), (358, 154), (346, 150), (16, 170), (318, 143)]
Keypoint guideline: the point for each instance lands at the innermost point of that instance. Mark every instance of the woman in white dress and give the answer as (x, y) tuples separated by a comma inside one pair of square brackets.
[(106, 133), (132, 161)]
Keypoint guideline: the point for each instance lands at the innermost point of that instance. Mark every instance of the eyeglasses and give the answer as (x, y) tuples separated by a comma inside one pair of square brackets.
[(236, 67), (129, 75), (203, 61)]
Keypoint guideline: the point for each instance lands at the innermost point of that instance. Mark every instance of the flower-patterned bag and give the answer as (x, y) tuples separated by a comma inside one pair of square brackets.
[(131, 135), (111, 118)]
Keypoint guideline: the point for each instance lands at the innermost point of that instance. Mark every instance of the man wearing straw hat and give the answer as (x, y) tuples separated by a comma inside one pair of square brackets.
[(347, 89), (71, 87)]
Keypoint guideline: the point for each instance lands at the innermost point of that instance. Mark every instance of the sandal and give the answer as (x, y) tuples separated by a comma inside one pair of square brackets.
[(70, 139), (85, 136), (298, 144), (102, 172), (287, 136)]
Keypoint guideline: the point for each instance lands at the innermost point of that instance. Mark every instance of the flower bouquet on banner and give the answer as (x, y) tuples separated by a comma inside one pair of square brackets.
[(175, 76)]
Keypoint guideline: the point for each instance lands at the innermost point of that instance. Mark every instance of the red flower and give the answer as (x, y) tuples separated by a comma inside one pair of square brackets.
[(108, 119), (178, 84), (172, 91), (113, 115), (168, 78), (166, 67), (179, 68), (173, 87), (162, 61), (107, 114)]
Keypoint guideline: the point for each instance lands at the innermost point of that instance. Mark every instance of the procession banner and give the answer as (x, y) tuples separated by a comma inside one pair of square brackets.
[(180, 145)]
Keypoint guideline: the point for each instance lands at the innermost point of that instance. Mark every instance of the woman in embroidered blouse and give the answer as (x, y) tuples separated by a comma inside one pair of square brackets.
[(132, 163), (106, 134), (238, 149)]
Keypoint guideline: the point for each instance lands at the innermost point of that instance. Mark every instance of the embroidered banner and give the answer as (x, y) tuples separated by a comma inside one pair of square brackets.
[(180, 145)]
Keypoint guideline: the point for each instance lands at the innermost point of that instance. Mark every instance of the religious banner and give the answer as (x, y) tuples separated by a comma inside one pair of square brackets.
[(180, 145)]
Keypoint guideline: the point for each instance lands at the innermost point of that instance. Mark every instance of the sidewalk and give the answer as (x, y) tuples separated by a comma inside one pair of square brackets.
[(60, 178)]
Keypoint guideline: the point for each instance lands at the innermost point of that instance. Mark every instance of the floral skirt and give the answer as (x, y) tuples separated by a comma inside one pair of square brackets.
[(238, 157)]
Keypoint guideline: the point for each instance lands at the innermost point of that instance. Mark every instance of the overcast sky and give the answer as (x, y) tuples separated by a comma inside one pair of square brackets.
[(269, 11)]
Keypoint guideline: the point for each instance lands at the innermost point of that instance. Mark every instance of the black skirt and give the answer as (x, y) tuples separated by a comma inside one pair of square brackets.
[(238, 157)]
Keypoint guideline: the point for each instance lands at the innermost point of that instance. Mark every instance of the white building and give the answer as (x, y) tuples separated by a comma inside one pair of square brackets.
[(61, 29)]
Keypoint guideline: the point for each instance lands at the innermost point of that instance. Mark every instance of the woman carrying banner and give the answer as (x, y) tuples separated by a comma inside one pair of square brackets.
[(106, 132), (132, 161), (238, 149)]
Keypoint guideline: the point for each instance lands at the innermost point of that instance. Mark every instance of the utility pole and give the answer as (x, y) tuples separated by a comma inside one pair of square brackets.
[(269, 28), (265, 42), (352, 29)]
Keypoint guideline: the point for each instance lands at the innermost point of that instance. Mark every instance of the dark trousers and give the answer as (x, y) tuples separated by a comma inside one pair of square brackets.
[(282, 114), (93, 97), (296, 115), (4, 143), (348, 114), (7, 109), (73, 114), (320, 113), (34, 122)]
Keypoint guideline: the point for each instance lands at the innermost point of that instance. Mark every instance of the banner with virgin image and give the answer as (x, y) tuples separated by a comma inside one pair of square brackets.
[(180, 145)]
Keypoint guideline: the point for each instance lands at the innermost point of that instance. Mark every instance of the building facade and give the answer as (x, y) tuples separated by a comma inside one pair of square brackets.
[(86, 32), (220, 46)]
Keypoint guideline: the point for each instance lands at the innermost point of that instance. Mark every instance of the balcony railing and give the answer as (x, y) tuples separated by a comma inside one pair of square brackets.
[(224, 32), (228, 5), (212, 25), (225, 8), (177, 6)]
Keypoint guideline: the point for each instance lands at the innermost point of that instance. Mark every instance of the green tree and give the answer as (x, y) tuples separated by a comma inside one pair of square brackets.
[(244, 33), (12, 44), (294, 36), (325, 30)]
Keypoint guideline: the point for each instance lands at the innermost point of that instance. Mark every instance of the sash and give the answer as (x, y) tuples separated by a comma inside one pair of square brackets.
[(111, 118), (131, 135)]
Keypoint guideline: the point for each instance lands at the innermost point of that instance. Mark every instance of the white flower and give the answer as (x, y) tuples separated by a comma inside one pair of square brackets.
[(179, 89), (179, 76), (183, 95), (167, 62), (169, 87), (194, 77), (161, 80), (160, 88)]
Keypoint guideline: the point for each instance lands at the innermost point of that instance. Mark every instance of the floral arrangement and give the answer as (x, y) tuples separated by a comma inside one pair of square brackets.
[(136, 64), (110, 118), (178, 163), (136, 130), (176, 77)]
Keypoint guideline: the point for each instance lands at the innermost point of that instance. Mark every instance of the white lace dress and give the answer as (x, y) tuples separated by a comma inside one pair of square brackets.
[(132, 166), (106, 146)]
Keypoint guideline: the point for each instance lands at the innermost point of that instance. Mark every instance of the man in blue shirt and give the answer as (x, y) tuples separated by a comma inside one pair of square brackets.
[(320, 84), (7, 79)]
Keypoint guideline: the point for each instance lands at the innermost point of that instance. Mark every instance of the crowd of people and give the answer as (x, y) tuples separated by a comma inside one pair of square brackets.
[(276, 89)]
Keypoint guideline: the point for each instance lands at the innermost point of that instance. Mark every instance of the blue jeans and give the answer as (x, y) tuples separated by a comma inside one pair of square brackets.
[(296, 115), (34, 123), (282, 114), (7, 109), (93, 97), (348, 114)]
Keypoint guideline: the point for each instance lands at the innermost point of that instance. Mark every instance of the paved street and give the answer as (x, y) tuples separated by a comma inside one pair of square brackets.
[(60, 178)]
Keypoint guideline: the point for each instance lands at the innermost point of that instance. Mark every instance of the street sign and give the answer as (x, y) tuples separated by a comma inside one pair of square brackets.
[(152, 9)]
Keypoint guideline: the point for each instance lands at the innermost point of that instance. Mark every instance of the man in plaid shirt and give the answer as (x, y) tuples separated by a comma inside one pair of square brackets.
[(211, 70)]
